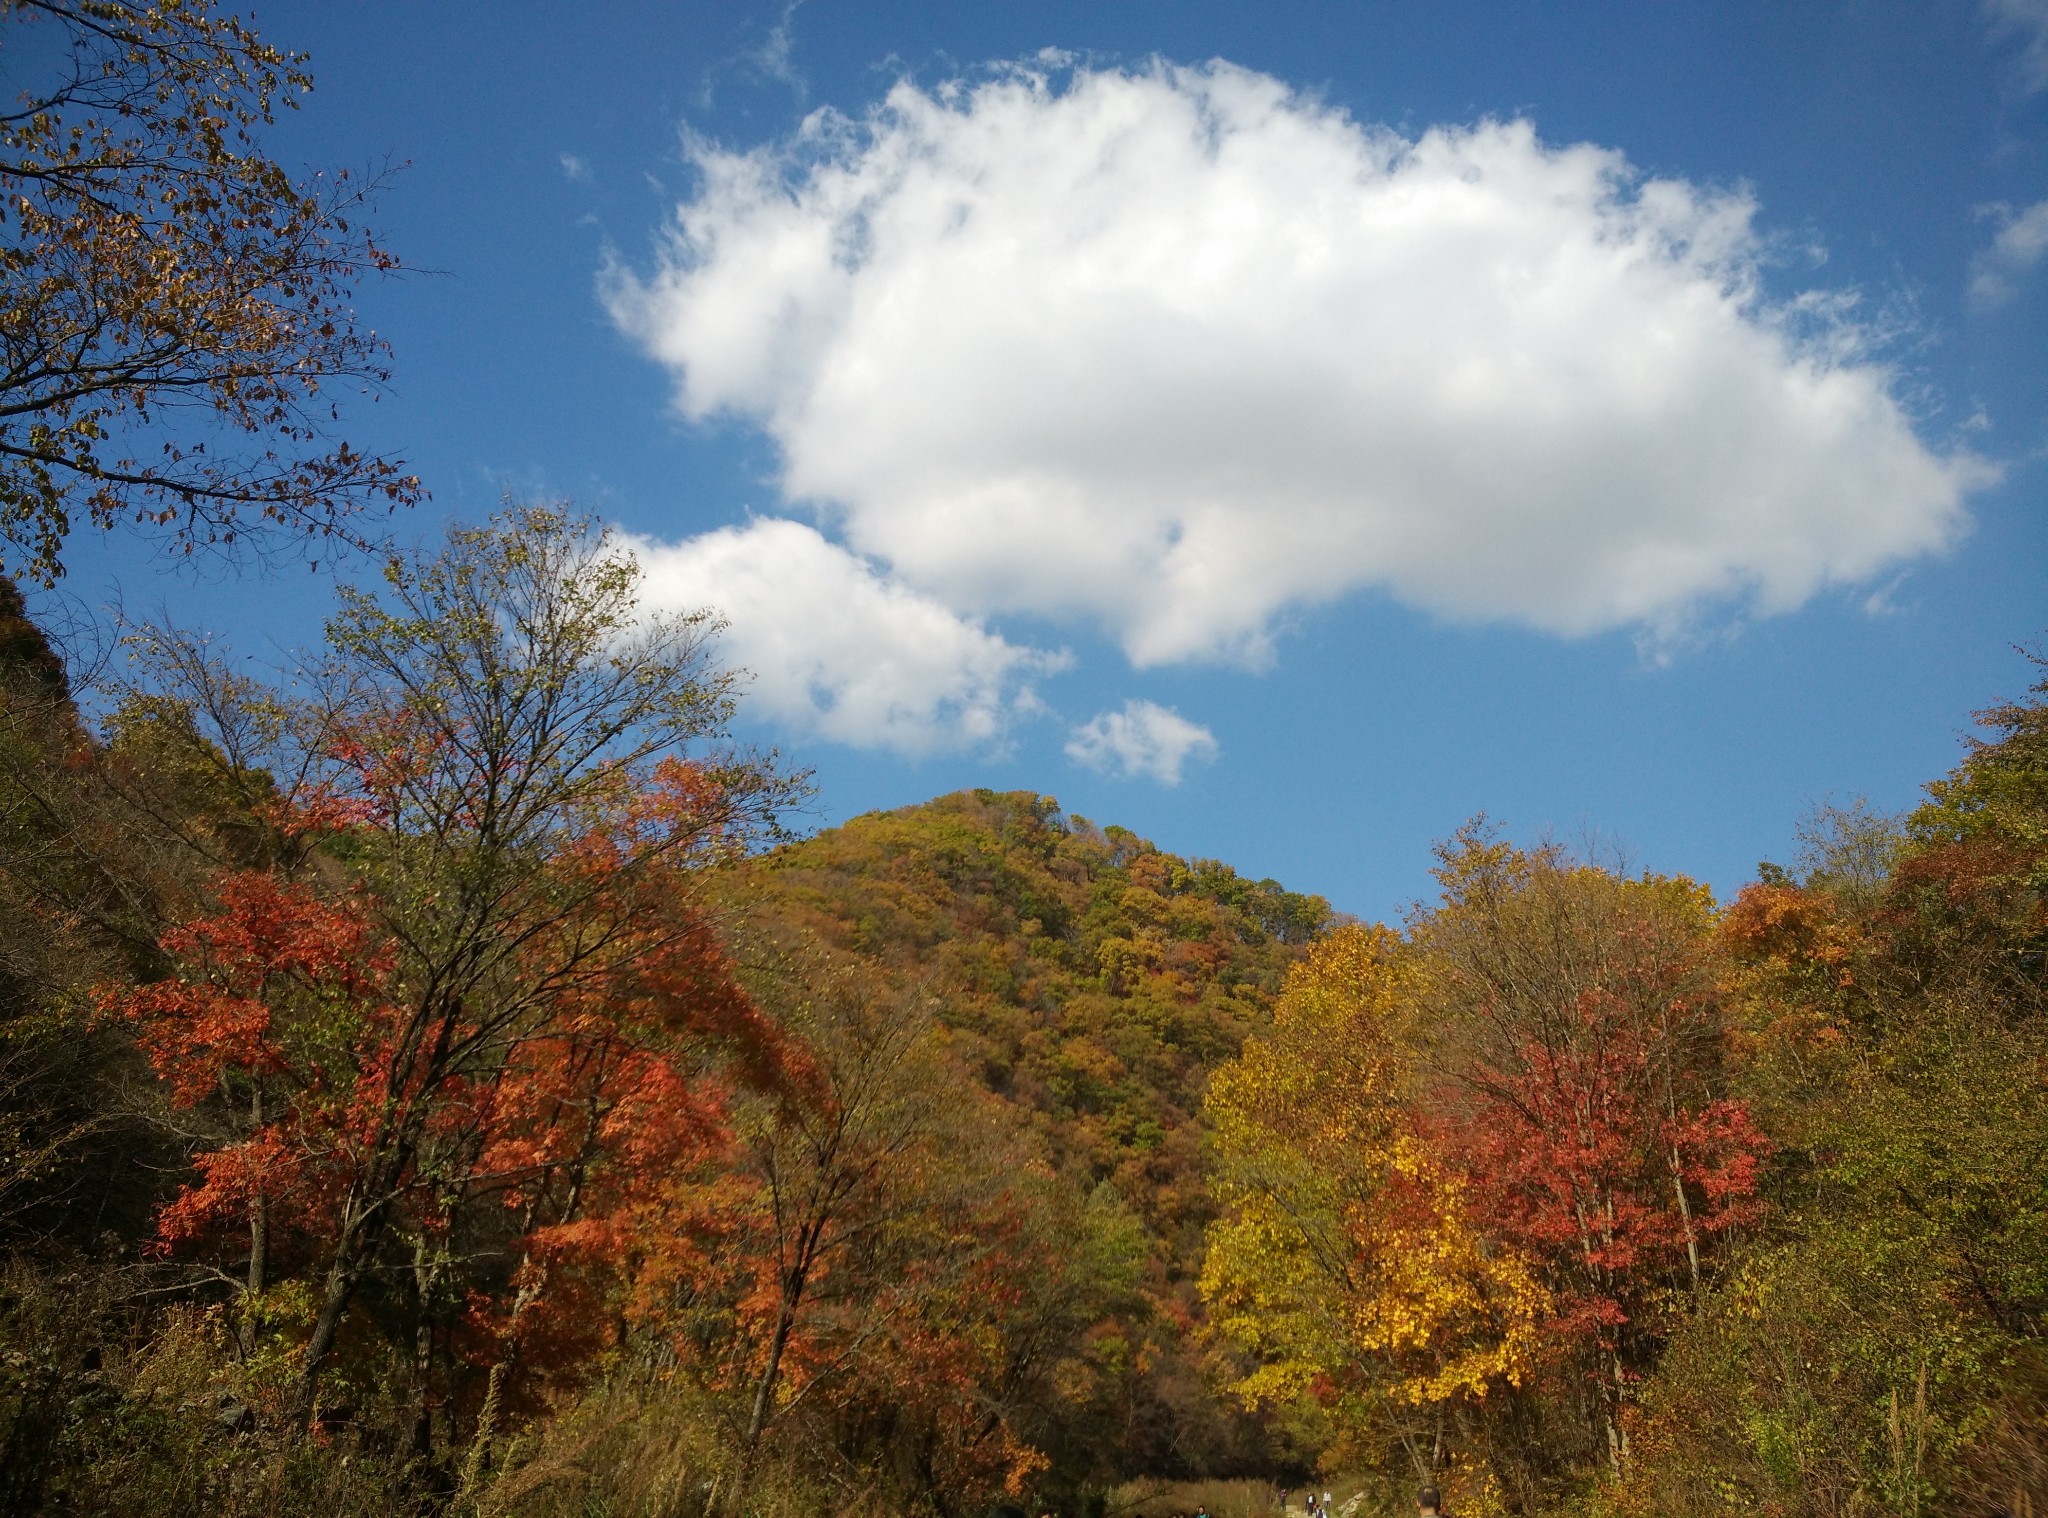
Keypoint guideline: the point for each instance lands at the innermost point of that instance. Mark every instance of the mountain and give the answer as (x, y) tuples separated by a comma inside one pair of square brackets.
[(1094, 981)]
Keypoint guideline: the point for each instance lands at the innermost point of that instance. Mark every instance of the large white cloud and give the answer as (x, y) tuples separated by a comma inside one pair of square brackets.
[(1178, 349), (836, 650)]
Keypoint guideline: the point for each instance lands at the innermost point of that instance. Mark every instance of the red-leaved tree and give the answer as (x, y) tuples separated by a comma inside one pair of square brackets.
[(1581, 1053), (479, 1004)]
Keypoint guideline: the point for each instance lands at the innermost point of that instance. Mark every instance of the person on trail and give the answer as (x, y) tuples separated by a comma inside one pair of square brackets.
[(1328, 1511), (1429, 1503)]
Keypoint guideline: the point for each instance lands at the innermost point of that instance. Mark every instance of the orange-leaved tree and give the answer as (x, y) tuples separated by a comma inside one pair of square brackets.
[(275, 995), (885, 1272)]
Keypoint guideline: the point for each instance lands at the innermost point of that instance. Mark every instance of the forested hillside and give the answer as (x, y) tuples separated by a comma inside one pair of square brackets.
[(445, 1053), (443, 1072), (1091, 981), (1613, 1199), (438, 1080)]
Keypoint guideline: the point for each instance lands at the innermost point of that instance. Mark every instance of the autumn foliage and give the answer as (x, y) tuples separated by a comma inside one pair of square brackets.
[(175, 300), (432, 1080), (1478, 1168), (498, 1115), (496, 1074), (539, 1129)]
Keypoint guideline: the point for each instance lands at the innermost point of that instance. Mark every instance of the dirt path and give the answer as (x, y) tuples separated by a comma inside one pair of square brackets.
[(1345, 1509)]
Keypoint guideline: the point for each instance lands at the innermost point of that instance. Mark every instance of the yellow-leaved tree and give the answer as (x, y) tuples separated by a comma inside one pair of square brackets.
[(1346, 1264)]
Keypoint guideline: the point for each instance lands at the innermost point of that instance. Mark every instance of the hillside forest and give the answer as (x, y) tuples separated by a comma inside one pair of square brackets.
[(436, 1080), (447, 1073)]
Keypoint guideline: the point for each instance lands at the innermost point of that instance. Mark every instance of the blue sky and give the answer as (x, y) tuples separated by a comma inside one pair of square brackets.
[(1284, 430)]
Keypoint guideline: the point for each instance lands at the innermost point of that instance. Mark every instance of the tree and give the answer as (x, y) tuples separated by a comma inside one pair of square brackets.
[(511, 774), (1475, 1168), (1348, 1260), (274, 994), (1880, 1348), (1580, 1049), (883, 1284), (824, 1232), (177, 327)]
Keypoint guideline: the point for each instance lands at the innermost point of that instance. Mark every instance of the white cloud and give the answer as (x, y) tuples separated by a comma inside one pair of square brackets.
[(2027, 22), (2020, 244), (837, 650), (774, 58), (1178, 350), (574, 169), (1142, 739)]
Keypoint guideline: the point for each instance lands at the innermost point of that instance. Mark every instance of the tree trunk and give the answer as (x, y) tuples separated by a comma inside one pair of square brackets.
[(425, 1274), (1692, 1242), (259, 1241), (764, 1390), (344, 1272), (362, 1224), (340, 1286), (1617, 1436)]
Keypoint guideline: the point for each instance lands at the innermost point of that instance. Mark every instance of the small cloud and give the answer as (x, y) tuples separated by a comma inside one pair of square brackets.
[(772, 62), (837, 649), (772, 59), (1997, 272), (574, 169), (1881, 602), (2024, 22), (1142, 739)]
